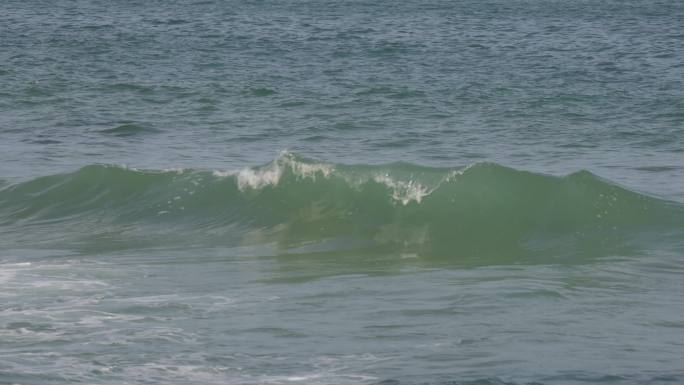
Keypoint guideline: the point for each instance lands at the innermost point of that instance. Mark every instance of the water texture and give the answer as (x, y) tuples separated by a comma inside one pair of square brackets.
[(351, 192)]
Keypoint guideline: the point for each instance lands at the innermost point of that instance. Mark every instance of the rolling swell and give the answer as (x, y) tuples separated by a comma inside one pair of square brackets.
[(295, 205)]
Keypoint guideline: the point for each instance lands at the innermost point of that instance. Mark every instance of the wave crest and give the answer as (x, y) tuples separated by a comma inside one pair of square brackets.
[(293, 205)]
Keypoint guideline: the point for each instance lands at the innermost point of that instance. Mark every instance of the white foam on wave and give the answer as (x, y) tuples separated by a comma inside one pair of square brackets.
[(218, 174), (412, 190), (174, 170), (305, 170), (259, 178), (404, 191), (125, 167), (270, 175)]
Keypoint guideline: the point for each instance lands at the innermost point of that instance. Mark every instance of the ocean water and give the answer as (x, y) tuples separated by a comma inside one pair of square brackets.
[(351, 192)]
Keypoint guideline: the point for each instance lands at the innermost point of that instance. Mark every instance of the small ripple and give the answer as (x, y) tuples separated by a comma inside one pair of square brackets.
[(127, 129), (260, 92)]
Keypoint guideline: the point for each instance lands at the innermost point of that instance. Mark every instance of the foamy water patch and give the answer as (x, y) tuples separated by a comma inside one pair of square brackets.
[(259, 178), (8, 271)]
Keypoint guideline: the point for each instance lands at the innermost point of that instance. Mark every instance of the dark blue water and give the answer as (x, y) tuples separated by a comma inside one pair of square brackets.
[(351, 192)]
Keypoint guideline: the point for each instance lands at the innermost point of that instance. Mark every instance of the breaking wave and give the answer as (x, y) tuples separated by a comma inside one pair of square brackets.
[(296, 205)]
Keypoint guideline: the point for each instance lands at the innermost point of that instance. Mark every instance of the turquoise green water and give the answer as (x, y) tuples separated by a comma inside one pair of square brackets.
[(310, 192), (294, 206)]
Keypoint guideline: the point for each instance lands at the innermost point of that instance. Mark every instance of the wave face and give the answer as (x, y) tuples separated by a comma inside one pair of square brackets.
[(295, 205)]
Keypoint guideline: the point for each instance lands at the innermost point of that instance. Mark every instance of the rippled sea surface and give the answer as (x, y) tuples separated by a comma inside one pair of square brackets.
[(351, 192)]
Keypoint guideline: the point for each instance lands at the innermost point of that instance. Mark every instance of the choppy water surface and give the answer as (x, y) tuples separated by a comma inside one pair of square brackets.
[(316, 192)]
